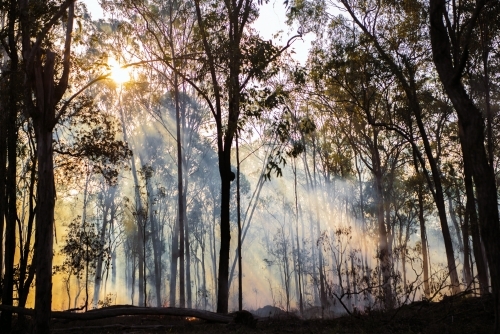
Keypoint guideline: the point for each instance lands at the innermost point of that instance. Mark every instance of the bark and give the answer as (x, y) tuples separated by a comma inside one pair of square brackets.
[(238, 205), (173, 263), (467, 264), (383, 245), (10, 185), (423, 240), (187, 247), (204, 273), (213, 252), (470, 209), (44, 224), (473, 139), (3, 173)]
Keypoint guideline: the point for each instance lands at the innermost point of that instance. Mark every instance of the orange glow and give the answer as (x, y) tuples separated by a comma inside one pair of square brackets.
[(118, 74)]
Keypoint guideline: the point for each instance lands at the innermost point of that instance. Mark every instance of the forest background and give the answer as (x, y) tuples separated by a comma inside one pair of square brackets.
[(167, 154)]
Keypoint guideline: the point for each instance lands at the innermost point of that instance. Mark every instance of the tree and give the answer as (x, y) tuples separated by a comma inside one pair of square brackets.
[(223, 31), (450, 55), (45, 85)]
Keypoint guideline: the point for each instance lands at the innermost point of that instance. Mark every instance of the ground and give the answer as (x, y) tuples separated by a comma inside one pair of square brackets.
[(452, 315)]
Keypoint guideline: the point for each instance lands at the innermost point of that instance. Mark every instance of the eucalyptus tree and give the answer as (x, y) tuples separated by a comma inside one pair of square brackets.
[(403, 55), (11, 105), (45, 85), (450, 55), (233, 57), (45, 44), (164, 31)]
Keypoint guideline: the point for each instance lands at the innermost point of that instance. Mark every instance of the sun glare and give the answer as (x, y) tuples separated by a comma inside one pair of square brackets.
[(118, 74)]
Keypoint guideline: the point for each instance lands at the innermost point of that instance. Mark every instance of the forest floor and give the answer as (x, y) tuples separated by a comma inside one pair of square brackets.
[(452, 315)]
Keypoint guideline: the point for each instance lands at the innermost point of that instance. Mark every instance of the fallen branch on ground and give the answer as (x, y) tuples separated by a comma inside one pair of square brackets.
[(126, 310)]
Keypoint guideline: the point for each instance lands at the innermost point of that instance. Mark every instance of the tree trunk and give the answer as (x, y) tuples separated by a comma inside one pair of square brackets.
[(384, 251), (225, 236), (454, 220), (213, 253), (482, 271), (472, 137), (11, 188), (467, 264), (423, 240), (44, 221), (173, 262), (238, 208), (109, 197), (156, 250), (299, 267)]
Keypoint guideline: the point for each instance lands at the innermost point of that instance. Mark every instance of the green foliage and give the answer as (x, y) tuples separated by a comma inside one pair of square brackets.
[(82, 248), (92, 138)]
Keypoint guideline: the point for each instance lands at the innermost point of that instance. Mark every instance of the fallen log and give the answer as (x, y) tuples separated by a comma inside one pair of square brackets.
[(114, 327), (126, 310)]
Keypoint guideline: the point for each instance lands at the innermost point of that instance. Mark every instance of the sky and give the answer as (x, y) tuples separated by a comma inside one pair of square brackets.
[(272, 19)]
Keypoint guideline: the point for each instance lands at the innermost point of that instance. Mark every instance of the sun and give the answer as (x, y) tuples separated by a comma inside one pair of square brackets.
[(118, 74)]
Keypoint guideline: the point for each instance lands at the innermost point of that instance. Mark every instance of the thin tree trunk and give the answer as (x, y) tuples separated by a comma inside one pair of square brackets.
[(173, 262), (10, 195), (454, 220), (109, 197), (384, 251), (299, 267), (423, 240), (467, 264), (238, 206)]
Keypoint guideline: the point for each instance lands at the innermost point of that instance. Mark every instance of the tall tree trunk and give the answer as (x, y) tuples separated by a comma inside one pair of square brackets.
[(156, 248), (472, 137), (109, 197), (225, 237), (44, 224), (454, 220), (3, 173), (423, 240), (213, 252), (204, 273), (173, 262), (299, 266), (238, 208), (27, 271), (467, 264), (140, 218), (11, 182), (384, 251), (470, 210)]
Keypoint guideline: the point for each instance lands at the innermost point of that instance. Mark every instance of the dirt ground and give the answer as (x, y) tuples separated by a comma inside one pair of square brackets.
[(453, 315)]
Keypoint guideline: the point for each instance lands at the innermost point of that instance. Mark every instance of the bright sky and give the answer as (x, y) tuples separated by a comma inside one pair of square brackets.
[(271, 20)]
